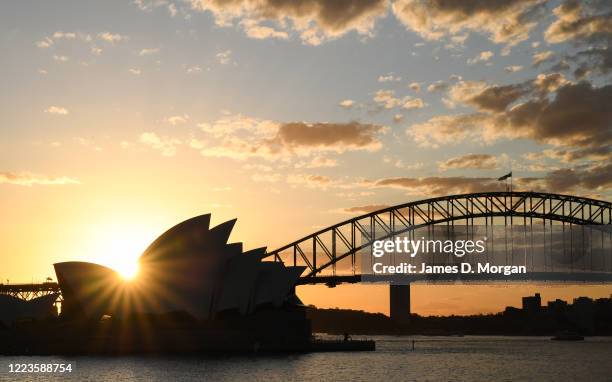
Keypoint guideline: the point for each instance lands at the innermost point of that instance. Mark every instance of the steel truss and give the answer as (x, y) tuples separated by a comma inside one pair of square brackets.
[(323, 249)]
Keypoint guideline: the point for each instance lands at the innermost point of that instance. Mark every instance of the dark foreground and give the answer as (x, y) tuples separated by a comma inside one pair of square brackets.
[(58, 337), (512, 322)]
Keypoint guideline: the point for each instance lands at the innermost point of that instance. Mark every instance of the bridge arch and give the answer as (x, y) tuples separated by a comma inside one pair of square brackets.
[(323, 249)]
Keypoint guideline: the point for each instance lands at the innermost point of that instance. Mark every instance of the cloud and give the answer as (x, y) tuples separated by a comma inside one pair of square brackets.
[(596, 153), (497, 98), (576, 20), (45, 43), (239, 137), (597, 178), (485, 97), (415, 86), (549, 83), (387, 100), (470, 161), (234, 125), (30, 179), (446, 129), (148, 51), (389, 78), (224, 57), (409, 103), (505, 22), (539, 58), (438, 86), (57, 110), (317, 162), (365, 209), (338, 137), (197, 144), (194, 69), (347, 103), (483, 56), (513, 68), (177, 119), (167, 146), (64, 35), (148, 5), (440, 185), (591, 61), (60, 58), (577, 119), (400, 164), (135, 71), (254, 30), (311, 180), (579, 181), (49, 41), (589, 26), (111, 37), (315, 21), (58, 36), (578, 116), (315, 181)]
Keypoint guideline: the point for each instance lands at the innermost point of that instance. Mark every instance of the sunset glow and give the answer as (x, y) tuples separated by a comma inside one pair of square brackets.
[(120, 119), (118, 247)]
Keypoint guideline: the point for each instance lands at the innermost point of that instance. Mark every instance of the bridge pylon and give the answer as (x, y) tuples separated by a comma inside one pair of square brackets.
[(399, 303)]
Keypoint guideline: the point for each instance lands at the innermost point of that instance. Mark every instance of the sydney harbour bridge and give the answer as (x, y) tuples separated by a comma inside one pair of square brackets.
[(334, 255)]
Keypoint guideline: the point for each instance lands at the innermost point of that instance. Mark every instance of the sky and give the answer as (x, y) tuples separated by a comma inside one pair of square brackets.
[(119, 119)]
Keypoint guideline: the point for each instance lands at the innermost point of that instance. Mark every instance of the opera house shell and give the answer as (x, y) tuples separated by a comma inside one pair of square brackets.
[(190, 268)]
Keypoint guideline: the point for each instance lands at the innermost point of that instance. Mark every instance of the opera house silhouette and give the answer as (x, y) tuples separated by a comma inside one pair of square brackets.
[(190, 268), (194, 292)]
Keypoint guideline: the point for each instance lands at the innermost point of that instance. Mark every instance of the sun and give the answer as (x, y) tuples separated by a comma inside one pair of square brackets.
[(122, 255), (127, 271), (119, 247)]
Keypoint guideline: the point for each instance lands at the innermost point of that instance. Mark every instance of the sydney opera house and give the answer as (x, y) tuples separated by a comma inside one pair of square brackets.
[(190, 268), (231, 298)]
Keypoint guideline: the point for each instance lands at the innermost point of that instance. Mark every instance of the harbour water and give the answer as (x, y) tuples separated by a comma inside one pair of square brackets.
[(469, 358)]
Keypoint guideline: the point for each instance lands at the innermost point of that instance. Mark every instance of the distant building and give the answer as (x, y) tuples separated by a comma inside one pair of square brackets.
[(603, 308), (512, 311), (532, 304), (583, 302), (558, 306), (607, 302), (582, 313), (399, 301)]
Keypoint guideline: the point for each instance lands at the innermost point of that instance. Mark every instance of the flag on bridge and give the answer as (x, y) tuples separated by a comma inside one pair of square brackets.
[(508, 175)]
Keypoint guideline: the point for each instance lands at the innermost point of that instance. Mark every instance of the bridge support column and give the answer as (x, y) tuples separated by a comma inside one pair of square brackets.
[(399, 303)]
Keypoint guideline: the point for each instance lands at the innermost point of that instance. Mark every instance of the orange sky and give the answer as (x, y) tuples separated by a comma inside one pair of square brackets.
[(445, 299), (120, 119)]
